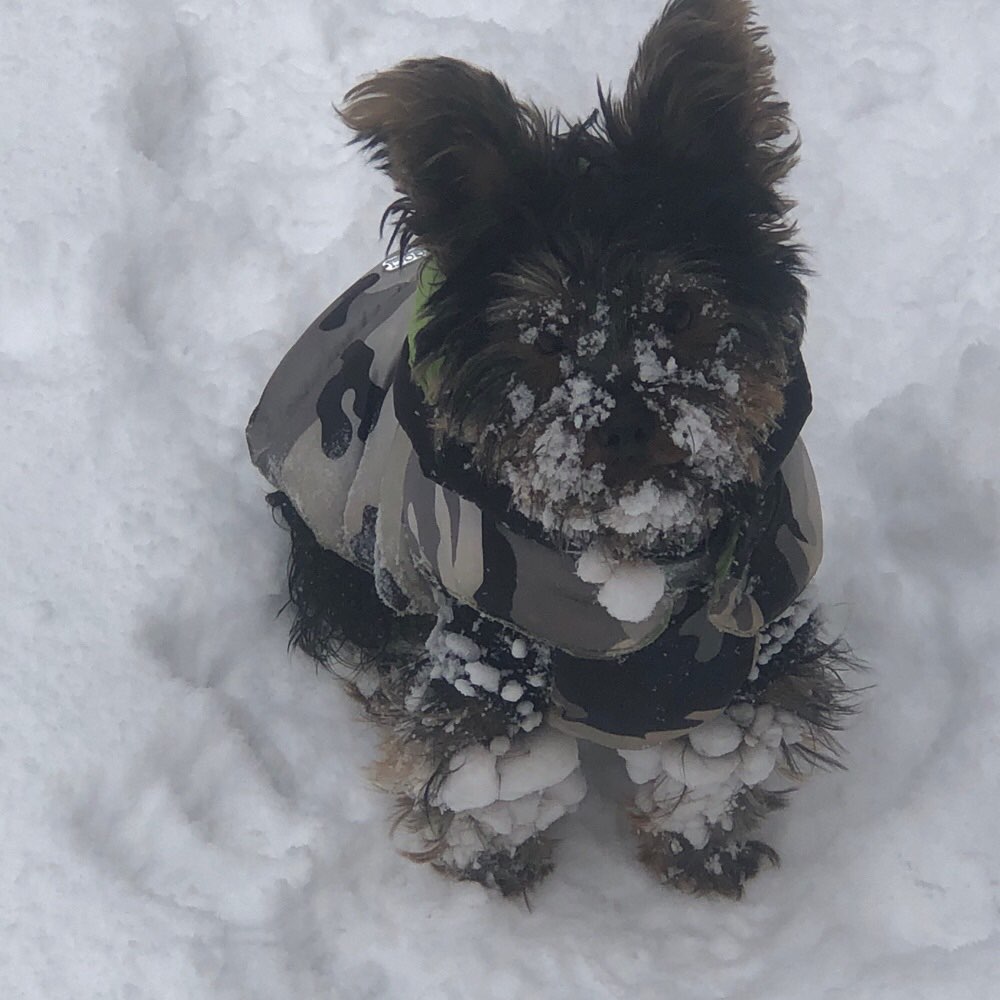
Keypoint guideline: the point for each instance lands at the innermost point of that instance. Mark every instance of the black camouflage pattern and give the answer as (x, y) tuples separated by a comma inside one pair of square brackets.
[(339, 429)]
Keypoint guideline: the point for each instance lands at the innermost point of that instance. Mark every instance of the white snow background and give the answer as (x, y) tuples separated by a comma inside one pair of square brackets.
[(183, 812)]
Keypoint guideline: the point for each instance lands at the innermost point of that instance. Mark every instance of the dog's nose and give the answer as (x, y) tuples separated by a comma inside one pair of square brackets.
[(626, 435), (630, 445)]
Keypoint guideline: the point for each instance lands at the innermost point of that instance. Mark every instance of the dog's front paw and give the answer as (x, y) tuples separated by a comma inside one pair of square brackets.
[(718, 869), (512, 872), (479, 815)]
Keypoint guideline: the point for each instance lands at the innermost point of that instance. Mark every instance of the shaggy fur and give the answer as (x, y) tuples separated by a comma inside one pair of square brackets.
[(808, 679), (617, 307), (659, 211)]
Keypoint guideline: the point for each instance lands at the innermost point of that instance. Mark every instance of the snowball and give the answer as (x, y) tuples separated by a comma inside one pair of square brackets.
[(594, 566), (497, 816), (524, 810), (642, 765), (540, 761), (563, 798), (462, 646), (512, 691), (667, 790), (483, 676), (684, 764), (793, 729), (531, 722), (472, 781), (756, 764), (633, 591), (518, 819), (716, 737), (762, 720), (570, 791), (629, 591)]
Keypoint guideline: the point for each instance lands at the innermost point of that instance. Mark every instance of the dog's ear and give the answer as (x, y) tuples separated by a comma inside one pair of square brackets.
[(701, 92), (453, 139)]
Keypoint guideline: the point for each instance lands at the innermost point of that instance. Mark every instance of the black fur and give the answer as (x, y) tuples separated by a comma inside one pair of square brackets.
[(673, 187), (335, 603), (658, 222)]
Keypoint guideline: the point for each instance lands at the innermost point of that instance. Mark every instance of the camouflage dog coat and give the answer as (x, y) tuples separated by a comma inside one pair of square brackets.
[(341, 429)]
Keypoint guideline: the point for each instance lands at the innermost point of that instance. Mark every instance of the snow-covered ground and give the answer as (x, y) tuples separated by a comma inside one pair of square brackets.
[(182, 808)]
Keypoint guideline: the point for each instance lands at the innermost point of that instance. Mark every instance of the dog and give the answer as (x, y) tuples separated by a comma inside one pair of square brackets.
[(542, 471)]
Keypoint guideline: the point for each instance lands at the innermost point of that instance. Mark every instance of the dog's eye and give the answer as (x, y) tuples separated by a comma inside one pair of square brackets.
[(676, 316), (549, 342)]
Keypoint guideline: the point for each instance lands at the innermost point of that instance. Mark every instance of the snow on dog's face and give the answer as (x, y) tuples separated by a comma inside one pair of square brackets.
[(618, 303), (620, 402), (633, 404)]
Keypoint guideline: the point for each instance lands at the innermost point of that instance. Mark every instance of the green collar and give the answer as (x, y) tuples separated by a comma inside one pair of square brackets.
[(427, 374)]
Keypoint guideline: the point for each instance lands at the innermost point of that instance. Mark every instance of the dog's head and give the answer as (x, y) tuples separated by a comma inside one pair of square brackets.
[(615, 308)]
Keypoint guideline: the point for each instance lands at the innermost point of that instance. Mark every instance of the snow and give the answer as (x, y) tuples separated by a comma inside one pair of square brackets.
[(522, 403), (472, 781), (517, 790), (183, 811), (689, 785), (717, 737), (544, 760), (512, 691), (594, 565), (633, 591), (629, 590), (711, 454), (482, 675), (553, 482)]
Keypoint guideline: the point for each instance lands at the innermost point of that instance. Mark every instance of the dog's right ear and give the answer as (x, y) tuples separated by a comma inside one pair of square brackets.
[(454, 140)]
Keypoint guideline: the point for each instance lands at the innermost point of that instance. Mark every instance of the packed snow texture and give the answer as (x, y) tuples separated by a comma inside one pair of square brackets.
[(691, 785), (551, 478), (512, 789), (629, 591), (459, 660), (184, 813)]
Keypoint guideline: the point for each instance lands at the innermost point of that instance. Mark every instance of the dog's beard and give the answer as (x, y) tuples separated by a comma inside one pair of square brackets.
[(635, 442), (707, 405), (657, 511)]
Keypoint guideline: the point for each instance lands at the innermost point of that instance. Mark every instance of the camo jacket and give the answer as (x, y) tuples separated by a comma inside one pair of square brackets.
[(340, 429)]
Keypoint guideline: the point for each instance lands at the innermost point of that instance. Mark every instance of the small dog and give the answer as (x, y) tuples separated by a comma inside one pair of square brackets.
[(542, 470)]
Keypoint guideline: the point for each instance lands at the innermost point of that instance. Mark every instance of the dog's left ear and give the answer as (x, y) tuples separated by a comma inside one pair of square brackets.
[(453, 139), (701, 93)]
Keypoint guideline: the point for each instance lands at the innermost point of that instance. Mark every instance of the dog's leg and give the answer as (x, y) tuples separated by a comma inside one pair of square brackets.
[(478, 777), (481, 813), (700, 797)]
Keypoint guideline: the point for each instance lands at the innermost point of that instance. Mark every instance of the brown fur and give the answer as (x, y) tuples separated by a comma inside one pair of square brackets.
[(648, 252)]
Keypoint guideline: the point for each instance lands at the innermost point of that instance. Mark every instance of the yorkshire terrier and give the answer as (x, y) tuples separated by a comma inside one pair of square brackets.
[(542, 469)]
